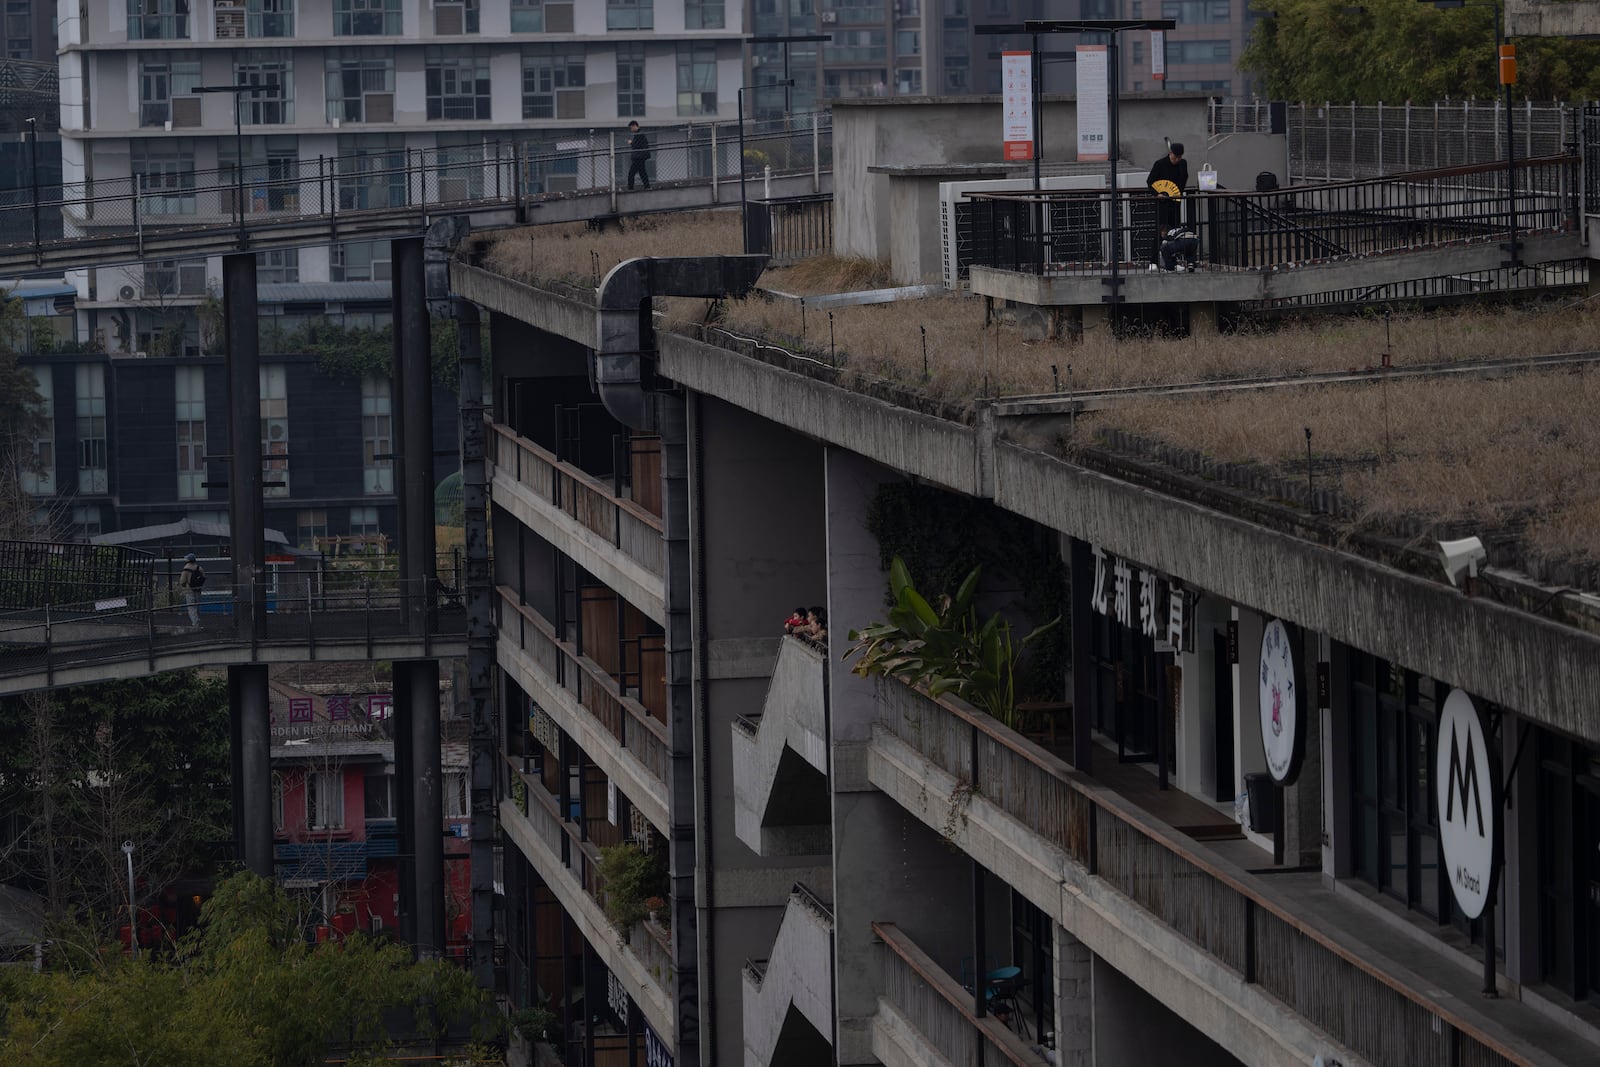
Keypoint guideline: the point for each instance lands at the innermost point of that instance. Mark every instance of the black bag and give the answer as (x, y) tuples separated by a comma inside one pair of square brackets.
[(1266, 181), (198, 578)]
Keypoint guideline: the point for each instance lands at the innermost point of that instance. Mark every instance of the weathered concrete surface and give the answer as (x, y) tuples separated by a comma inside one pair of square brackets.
[(1237, 286), (643, 790), (896, 1043), (635, 582), (797, 975), (550, 311), (1544, 671), (791, 729), (591, 923), (1552, 18)]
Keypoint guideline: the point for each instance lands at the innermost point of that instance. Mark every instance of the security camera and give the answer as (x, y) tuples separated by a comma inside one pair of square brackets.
[(1461, 558)]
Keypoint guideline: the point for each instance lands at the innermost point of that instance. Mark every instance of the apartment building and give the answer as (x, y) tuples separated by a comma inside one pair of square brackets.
[(1227, 827)]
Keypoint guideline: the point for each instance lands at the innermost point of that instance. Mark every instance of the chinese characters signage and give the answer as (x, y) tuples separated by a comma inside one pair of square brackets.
[(343, 715), (656, 1053), (1094, 109), (1016, 72), (1158, 55), (1140, 599)]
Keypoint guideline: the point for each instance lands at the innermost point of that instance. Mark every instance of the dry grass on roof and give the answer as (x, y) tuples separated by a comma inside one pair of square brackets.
[(1514, 454), (573, 252), (966, 359)]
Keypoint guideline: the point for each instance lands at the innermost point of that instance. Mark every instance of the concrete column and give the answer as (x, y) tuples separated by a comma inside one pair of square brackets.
[(416, 687), (480, 637), (691, 910), (1202, 318), (1074, 992), (244, 442), (1302, 801), (247, 690), (413, 436)]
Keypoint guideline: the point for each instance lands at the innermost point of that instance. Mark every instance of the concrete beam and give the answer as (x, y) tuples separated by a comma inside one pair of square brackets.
[(1241, 286), (565, 316), (1552, 18)]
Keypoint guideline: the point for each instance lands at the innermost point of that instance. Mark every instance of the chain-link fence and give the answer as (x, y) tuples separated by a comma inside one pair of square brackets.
[(1344, 142)]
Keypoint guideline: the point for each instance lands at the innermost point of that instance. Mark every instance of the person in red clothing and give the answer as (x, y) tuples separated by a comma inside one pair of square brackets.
[(795, 622)]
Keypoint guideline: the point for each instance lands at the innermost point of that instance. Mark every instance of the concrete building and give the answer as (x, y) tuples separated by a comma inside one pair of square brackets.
[(1226, 828)]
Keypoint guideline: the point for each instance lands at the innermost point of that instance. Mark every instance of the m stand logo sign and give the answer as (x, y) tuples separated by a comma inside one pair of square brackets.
[(1468, 800)]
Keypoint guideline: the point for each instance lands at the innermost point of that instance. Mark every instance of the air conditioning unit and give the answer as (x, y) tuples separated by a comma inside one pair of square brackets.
[(229, 19), (829, 17), (377, 107), (127, 292)]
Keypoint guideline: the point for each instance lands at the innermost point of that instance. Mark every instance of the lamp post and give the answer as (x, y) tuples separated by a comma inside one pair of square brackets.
[(133, 911), (1506, 71), (744, 207), (237, 91)]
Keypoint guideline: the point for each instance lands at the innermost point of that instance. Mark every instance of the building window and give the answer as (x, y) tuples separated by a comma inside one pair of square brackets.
[(630, 81), (955, 74), (367, 18), (453, 17), (170, 277), (364, 522), (360, 85), (90, 379), (858, 46), (158, 20), (703, 14), (274, 431), (325, 800), (190, 390), (456, 804), (273, 71), (553, 82), (378, 797), (697, 79), (908, 81), (1199, 51), (164, 78), (1568, 843), (908, 42), (277, 803), (630, 15), (310, 526), (372, 173), (19, 29), (270, 18), (86, 521), (39, 477), (458, 82), (541, 16), (359, 261), (164, 174), (281, 266), (377, 437), (1196, 10)]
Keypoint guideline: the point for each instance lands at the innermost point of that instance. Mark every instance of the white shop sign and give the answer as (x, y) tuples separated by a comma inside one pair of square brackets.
[(1466, 796), (1141, 599)]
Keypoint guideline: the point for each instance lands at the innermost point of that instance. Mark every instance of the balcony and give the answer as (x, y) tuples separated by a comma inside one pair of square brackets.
[(924, 1014), (1148, 898), (569, 866), (786, 1000), (615, 539), (617, 731), (780, 761)]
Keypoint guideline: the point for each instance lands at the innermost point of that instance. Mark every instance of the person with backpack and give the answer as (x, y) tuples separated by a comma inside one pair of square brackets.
[(638, 155), (191, 581), (1179, 243)]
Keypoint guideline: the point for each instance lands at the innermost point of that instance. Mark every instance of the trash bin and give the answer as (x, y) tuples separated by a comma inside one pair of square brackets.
[(1263, 794)]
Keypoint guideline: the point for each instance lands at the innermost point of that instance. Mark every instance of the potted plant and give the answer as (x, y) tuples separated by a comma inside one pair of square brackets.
[(633, 878)]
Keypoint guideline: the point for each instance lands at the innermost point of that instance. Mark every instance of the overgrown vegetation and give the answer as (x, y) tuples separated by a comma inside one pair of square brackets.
[(580, 254), (632, 877), (245, 988), (941, 646)]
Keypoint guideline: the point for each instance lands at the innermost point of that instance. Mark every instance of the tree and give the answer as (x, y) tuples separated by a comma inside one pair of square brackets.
[(245, 989), (84, 769), (1399, 50)]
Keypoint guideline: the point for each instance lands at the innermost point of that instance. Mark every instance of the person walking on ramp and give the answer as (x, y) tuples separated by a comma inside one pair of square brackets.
[(638, 155)]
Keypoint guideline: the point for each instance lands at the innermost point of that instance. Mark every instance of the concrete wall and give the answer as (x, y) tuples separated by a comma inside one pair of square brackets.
[(868, 132), (1132, 1028)]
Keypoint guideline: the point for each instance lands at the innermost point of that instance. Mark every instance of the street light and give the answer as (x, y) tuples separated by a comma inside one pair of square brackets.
[(237, 91), (1506, 69), (744, 209), (133, 912)]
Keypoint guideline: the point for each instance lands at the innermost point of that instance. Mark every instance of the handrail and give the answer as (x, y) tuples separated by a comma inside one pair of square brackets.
[(577, 474), (592, 670), (995, 1032), (809, 900), (1217, 867)]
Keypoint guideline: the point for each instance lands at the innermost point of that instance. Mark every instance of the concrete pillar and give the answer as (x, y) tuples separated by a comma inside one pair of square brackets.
[(245, 521), (1302, 801), (416, 685), (252, 784), (1202, 318), (480, 637), (1074, 992), (413, 408), (691, 925)]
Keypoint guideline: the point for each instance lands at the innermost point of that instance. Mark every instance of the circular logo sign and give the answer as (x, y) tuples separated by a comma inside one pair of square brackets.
[(1466, 796), (1282, 732)]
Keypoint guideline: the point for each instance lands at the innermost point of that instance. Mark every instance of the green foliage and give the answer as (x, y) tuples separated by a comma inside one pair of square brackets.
[(1399, 50), (243, 990), (943, 536), (632, 876), (941, 645)]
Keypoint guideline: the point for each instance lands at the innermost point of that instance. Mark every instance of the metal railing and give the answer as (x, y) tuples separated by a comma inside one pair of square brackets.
[(1216, 905), (802, 895), (941, 1011), (1080, 232), (339, 192), (1591, 159), (791, 228), (622, 716), (627, 525)]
